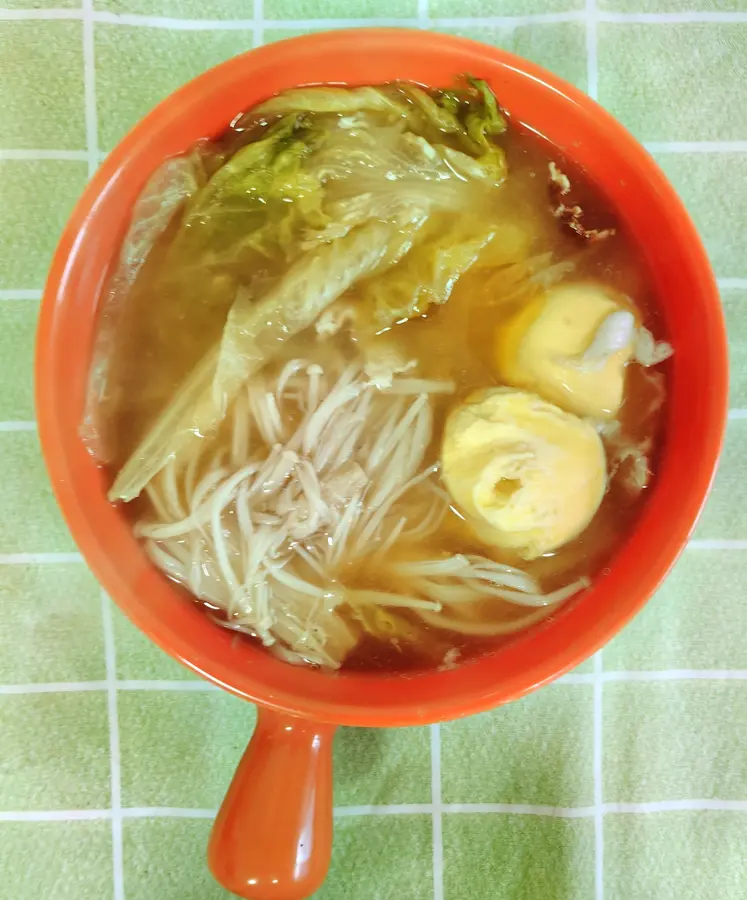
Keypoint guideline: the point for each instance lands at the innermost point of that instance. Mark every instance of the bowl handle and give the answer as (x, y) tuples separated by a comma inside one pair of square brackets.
[(272, 838)]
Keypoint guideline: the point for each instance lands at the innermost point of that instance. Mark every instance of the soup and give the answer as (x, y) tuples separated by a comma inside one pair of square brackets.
[(376, 376)]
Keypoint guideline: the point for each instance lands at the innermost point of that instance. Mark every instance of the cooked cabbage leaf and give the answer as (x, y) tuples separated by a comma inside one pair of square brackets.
[(258, 201), (471, 118), (342, 185), (443, 118), (330, 100), (266, 169), (176, 431), (384, 624), (400, 168), (254, 335), (484, 118), (490, 167), (349, 212), (427, 275), (170, 186), (255, 330), (162, 198)]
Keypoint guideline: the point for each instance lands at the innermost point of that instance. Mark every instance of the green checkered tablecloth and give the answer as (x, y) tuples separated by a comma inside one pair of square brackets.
[(626, 780)]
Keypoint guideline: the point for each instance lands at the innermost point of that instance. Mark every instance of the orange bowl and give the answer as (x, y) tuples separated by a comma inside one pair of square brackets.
[(285, 777)]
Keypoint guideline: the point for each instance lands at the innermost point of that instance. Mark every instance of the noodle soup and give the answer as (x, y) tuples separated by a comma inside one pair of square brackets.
[(377, 376)]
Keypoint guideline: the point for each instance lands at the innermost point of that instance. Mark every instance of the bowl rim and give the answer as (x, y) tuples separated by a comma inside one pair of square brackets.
[(54, 434)]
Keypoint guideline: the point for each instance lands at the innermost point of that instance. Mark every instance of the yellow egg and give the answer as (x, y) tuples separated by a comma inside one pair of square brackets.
[(571, 345), (528, 476)]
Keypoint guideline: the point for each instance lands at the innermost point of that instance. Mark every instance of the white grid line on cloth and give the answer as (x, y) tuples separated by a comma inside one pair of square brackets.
[(57, 155), (155, 685), (18, 425), (44, 559), (53, 687), (55, 815), (400, 809), (581, 678), (717, 544), (673, 18), (592, 65), (696, 146), (576, 678), (114, 748), (258, 19), (437, 814), (89, 88), (22, 294), (677, 675), (423, 14), (133, 19), (597, 754), (31, 14), (138, 21), (185, 24)]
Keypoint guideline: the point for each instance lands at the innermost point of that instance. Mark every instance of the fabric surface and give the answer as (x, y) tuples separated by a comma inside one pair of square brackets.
[(626, 780)]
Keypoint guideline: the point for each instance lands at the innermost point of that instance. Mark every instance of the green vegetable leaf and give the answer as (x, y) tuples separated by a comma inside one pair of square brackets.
[(267, 169), (177, 430), (167, 190), (444, 117), (162, 198), (427, 275), (451, 102), (490, 167), (254, 334), (485, 119), (470, 118), (255, 206), (255, 330), (330, 100), (397, 170)]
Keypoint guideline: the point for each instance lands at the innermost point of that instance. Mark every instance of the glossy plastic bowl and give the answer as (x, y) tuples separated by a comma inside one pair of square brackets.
[(272, 837)]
